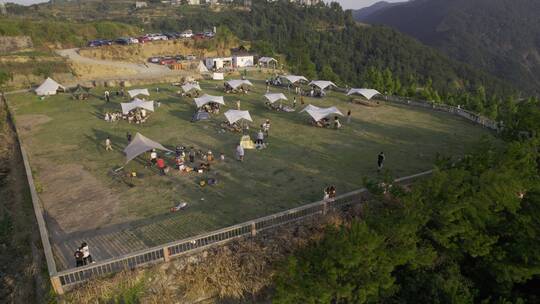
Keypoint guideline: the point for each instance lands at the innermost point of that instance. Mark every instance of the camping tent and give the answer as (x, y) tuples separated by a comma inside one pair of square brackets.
[(49, 87), (200, 115), (202, 68), (367, 93), (137, 103), (191, 86), (236, 115), (266, 61), (275, 97), (322, 84), (201, 101), (80, 93), (218, 76), (319, 113), (141, 144), (235, 84), (294, 78), (137, 92)]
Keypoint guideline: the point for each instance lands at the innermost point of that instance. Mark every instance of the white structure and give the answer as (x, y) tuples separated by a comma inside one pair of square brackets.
[(140, 4), (367, 93), (49, 87), (294, 78), (137, 104), (241, 61), (275, 97), (236, 115), (218, 76), (202, 68), (194, 2), (237, 83), (191, 86), (137, 92), (141, 144), (201, 101), (319, 113), (322, 84), (219, 63), (268, 62)]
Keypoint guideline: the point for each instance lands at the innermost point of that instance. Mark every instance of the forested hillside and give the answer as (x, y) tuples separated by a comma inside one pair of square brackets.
[(499, 36)]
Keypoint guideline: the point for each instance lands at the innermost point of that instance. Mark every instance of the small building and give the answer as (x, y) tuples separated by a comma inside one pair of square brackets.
[(140, 4), (217, 63), (268, 62), (243, 60)]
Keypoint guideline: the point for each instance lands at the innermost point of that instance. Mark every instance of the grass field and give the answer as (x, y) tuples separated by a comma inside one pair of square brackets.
[(65, 139)]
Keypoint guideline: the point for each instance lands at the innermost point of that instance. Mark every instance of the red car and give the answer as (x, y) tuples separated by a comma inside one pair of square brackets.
[(199, 36), (167, 61), (143, 39)]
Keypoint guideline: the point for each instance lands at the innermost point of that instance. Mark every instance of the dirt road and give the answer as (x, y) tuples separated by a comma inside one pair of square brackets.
[(95, 69)]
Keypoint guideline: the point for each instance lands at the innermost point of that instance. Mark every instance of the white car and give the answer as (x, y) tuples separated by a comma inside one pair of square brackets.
[(157, 37), (133, 40), (186, 34), (191, 57)]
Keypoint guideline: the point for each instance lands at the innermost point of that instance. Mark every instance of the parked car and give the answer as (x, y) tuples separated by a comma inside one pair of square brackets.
[(122, 41), (156, 37), (209, 34), (186, 34), (191, 57), (106, 42), (167, 61), (198, 36), (179, 57), (143, 39), (154, 59), (94, 43), (133, 40)]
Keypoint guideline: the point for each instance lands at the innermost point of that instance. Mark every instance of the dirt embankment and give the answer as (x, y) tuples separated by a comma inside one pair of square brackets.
[(141, 52), (15, 43)]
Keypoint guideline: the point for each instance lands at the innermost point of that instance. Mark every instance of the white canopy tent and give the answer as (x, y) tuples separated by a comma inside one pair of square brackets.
[(137, 92), (201, 101), (202, 68), (273, 97), (49, 87), (141, 144), (137, 103), (294, 78), (218, 76), (267, 61), (236, 115), (322, 84), (235, 84), (367, 93), (319, 113), (191, 86)]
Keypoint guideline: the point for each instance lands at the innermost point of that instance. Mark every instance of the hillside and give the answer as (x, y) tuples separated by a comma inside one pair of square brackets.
[(363, 13), (499, 36)]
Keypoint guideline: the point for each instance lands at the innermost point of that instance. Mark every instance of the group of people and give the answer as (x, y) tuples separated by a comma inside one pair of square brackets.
[(327, 123), (83, 256), (107, 95), (211, 107), (137, 116)]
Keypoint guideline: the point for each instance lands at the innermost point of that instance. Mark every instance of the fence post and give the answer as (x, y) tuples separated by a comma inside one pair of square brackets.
[(57, 285), (166, 254), (253, 229)]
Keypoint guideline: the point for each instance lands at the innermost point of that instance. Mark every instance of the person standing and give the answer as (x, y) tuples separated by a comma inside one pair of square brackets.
[(79, 258), (266, 127), (238, 104), (128, 137), (380, 161), (294, 102), (161, 166), (239, 153), (349, 116), (302, 100), (191, 155), (107, 96), (108, 144), (153, 156)]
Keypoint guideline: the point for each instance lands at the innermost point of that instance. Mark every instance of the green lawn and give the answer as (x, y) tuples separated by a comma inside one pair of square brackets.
[(65, 141)]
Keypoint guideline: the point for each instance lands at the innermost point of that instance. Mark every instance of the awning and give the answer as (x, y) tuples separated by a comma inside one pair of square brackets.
[(273, 97), (236, 115), (137, 92), (191, 86), (294, 78), (141, 144), (238, 83), (319, 113), (137, 103), (201, 101), (367, 93), (322, 84)]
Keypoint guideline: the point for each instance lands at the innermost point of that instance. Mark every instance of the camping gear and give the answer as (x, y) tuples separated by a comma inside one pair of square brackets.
[(137, 92), (247, 143), (275, 97), (319, 113), (141, 144), (236, 115), (235, 84), (80, 93), (201, 115), (322, 84), (201, 101), (135, 104), (294, 78)]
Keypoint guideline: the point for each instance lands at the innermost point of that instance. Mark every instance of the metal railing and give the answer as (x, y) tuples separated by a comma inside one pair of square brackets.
[(164, 253)]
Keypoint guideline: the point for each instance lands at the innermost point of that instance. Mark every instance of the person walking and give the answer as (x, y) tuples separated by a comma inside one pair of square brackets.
[(128, 137), (108, 144), (239, 153), (107, 96), (349, 116), (380, 161)]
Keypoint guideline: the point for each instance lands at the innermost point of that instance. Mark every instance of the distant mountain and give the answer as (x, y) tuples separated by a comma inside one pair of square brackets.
[(363, 13), (499, 36)]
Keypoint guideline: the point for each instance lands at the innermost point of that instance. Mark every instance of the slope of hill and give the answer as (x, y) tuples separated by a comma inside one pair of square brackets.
[(500, 36), (363, 13)]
